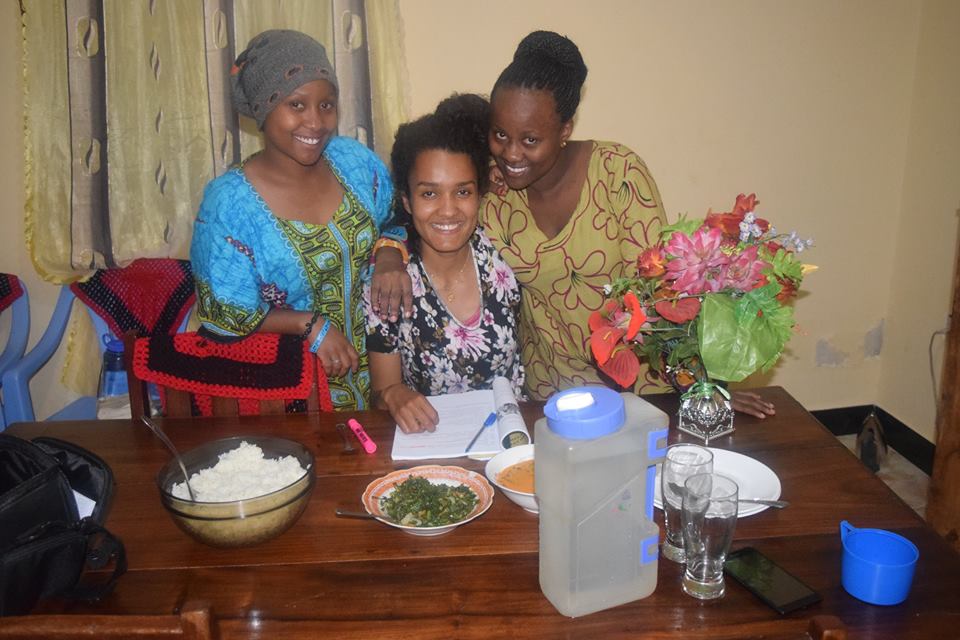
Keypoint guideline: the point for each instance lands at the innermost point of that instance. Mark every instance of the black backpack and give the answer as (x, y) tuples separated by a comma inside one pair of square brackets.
[(45, 545)]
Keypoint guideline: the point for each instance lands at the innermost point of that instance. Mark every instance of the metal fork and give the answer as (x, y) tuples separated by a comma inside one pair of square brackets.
[(776, 504), (347, 445)]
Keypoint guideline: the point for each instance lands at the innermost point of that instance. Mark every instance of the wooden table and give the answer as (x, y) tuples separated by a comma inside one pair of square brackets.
[(339, 578)]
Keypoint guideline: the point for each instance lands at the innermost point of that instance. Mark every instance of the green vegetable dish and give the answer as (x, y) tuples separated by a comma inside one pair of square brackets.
[(416, 502)]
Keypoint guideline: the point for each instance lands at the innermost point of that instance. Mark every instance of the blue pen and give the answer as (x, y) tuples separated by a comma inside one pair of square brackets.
[(486, 423)]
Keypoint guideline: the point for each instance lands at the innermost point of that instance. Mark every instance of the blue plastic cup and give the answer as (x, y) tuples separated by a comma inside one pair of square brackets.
[(877, 565)]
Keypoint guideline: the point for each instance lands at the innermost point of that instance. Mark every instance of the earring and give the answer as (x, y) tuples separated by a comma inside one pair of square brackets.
[(563, 143)]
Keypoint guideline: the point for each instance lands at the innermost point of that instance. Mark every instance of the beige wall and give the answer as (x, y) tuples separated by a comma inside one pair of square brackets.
[(816, 106), (841, 116), (926, 232)]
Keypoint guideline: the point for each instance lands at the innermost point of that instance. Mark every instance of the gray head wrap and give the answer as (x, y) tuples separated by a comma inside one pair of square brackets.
[(272, 66)]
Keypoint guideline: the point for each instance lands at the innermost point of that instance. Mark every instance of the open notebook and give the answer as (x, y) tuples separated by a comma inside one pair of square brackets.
[(461, 416)]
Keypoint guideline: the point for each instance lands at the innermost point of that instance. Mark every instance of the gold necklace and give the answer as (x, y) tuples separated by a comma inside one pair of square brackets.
[(456, 281)]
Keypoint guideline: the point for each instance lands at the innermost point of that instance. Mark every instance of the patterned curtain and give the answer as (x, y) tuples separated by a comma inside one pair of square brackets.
[(128, 113), (128, 116)]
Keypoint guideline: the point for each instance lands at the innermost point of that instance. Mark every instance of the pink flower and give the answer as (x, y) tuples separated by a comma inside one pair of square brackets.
[(743, 272), (697, 261), (466, 339)]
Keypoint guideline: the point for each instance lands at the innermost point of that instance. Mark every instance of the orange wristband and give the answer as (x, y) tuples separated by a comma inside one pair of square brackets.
[(396, 244)]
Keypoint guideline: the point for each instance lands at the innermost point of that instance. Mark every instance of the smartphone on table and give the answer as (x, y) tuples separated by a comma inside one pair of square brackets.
[(768, 581)]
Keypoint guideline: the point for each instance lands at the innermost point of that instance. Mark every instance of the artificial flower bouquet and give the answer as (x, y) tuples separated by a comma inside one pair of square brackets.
[(708, 302)]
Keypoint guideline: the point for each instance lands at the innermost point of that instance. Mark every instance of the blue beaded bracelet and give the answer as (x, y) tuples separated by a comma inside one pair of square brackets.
[(320, 336)]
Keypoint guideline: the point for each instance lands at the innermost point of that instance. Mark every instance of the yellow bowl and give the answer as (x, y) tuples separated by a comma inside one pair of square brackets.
[(238, 523), (501, 461)]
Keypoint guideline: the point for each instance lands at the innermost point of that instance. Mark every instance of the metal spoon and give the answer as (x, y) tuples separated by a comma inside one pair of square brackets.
[(347, 445), (157, 431), (776, 504), (363, 515)]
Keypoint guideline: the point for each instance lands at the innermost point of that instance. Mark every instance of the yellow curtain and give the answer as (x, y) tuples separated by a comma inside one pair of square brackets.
[(47, 152), (125, 130), (389, 82)]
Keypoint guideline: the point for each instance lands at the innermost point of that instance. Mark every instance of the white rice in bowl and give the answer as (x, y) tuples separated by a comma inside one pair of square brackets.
[(241, 474)]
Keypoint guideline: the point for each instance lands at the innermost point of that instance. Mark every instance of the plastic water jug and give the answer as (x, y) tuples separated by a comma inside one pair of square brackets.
[(113, 374), (595, 469)]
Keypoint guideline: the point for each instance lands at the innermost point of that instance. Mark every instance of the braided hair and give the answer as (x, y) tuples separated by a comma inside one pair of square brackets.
[(546, 60), (458, 125)]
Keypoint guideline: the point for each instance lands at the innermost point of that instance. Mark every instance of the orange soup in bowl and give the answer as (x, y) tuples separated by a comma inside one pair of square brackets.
[(518, 477)]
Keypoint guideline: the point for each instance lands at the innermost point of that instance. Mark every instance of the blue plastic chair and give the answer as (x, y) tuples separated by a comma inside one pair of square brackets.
[(16, 342), (16, 381)]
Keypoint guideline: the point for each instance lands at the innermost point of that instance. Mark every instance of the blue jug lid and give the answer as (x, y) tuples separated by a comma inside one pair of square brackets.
[(113, 344), (584, 413)]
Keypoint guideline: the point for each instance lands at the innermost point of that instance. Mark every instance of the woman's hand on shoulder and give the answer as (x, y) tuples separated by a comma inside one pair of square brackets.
[(391, 291), (412, 411), (495, 181), (751, 404), (337, 355)]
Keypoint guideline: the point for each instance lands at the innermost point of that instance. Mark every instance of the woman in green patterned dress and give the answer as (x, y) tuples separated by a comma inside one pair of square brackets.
[(281, 242)]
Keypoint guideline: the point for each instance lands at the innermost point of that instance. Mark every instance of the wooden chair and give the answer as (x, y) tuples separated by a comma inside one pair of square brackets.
[(192, 623), (179, 403)]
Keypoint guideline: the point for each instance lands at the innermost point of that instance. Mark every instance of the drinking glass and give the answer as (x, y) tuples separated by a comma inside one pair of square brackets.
[(709, 517), (681, 462)]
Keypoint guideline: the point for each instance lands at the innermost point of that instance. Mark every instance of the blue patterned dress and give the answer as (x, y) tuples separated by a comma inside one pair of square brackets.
[(247, 261)]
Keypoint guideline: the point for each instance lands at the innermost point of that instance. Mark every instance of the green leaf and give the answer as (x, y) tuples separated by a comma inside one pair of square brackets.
[(682, 225), (786, 265), (739, 337)]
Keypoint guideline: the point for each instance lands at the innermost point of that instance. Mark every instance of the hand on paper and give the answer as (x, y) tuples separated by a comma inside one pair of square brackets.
[(410, 409)]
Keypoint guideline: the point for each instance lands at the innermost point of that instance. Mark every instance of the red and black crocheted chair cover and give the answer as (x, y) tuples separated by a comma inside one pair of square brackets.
[(149, 296), (262, 366), (10, 290)]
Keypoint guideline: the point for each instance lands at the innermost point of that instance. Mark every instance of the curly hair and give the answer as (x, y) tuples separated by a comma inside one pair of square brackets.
[(458, 125), (547, 60)]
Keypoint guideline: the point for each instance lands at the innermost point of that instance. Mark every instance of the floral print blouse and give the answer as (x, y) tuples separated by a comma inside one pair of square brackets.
[(440, 354)]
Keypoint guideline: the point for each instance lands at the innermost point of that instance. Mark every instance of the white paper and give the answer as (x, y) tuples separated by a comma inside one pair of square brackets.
[(461, 416), (84, 504)]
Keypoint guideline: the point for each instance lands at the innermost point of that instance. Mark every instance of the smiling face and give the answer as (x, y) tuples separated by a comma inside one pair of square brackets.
[(443, 200), (300, 127), (526, 134)]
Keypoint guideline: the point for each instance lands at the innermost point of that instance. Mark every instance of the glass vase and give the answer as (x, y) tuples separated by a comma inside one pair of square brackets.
[(705, 411)]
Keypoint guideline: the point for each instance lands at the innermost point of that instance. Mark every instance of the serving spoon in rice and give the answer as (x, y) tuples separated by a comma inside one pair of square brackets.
[(157, 431)]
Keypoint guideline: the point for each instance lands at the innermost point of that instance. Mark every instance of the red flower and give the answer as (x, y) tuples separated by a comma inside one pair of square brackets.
[(651, 263), (623, 367), (745, 204), (612, 325), (604, 342), (637, 316), (679, 311), (729, 223), (788, 289)]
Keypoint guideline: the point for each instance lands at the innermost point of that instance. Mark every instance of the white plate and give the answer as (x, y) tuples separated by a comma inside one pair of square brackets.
[(435, 474), (755, 479)]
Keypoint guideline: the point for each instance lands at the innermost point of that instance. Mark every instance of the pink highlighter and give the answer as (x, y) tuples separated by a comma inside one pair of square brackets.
[(368, 445)]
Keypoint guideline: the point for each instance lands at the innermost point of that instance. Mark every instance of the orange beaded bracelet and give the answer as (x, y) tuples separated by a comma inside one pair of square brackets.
[(396, 244)]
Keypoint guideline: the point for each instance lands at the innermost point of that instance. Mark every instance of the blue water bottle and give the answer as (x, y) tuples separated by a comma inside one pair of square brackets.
[(113, 374)]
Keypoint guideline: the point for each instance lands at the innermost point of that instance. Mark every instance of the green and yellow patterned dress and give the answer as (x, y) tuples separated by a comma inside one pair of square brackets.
[(619, 214)]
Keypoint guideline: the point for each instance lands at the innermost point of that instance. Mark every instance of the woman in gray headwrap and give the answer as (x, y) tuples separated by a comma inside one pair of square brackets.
[(281, 241)]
